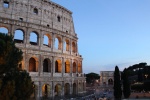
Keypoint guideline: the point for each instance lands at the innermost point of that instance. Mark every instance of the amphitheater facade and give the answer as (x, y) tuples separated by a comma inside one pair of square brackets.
[(44, 31)]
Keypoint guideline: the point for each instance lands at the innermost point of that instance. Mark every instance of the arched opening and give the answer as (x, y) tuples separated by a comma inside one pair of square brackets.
[(58, 66), (46, 90), (58, 18), (19, 36), (3, 30), (66, 45), (73, 47), (33, 38), (58, 90), (58, 43), (67, 67), (67, 89), (35, 11), (33, 95), (32, 65), (110, 82), (74, 88), (79, 68), (74, 67), (47, 40), (45, 65)]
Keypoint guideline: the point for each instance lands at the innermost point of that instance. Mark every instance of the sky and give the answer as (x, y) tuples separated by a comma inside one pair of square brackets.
[(111, 32)]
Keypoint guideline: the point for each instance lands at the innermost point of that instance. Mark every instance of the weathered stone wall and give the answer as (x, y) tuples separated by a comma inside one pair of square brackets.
[(44, 17)]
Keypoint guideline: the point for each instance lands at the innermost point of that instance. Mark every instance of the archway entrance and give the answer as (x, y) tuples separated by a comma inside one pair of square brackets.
[(74, 88), (58, 90), (32, 65), (67, 89), (110, 82), (46, 90)]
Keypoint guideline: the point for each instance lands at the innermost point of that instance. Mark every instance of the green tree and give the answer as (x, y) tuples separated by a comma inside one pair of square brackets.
[(10, 56), (126, 84), (117, 84), (91, 77), (14, 84)]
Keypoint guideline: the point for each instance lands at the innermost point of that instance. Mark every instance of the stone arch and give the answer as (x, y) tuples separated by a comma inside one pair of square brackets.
[(46, 90), (110, 81), (35, 11), (34, 38), (79, 68), (58, 43), (19, 36), (33, 95), (4, 30), (47, 40), (46, 65), (66, 47), (32, 65), (58, 66), (73, 47), (67, 89), (74, 67), (74, 88), (67, 66), (58, 90)]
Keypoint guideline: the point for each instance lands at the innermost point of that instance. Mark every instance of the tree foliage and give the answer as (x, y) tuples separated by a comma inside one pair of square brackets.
[(91, 77), (117, 84), (10, 56), (126, 84), (14, 84)]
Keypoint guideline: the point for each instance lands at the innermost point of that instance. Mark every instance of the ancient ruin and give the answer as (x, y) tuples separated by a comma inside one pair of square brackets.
[(44, 31)]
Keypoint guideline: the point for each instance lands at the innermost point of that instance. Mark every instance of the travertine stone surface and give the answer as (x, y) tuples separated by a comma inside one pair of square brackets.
[(55, 71)]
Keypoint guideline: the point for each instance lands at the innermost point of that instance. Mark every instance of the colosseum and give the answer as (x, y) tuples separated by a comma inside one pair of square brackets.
[(45, 32)]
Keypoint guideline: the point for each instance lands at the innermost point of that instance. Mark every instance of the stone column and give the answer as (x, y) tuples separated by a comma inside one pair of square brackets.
[(53, 42), (53, 65), (63, 85), (63, 66), (71, 90), (70, 46), (71, 66), (62, 44), (53, 89)]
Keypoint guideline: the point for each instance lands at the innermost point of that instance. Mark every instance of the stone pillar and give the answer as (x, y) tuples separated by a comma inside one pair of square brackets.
[(28, 36), (71, 66), (71, 88), (63, 66), (39, 38), (53, 65), (53, 42), (38, 89), (70, 46), (53, 89), (63, 85), (62, 44)]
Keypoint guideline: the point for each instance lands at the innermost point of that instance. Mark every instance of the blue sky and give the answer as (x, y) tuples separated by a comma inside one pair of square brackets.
[(111, 32)]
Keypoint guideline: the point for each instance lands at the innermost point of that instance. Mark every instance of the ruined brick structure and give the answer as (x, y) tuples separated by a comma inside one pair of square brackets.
[(44, 31)]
